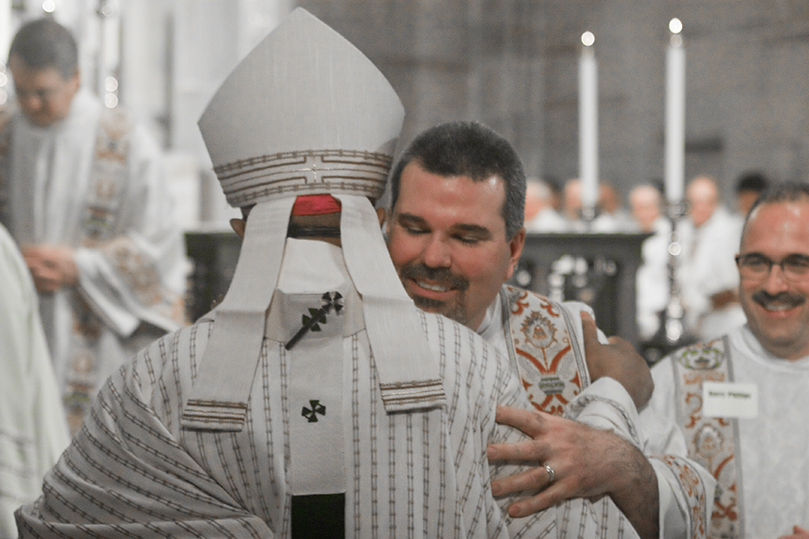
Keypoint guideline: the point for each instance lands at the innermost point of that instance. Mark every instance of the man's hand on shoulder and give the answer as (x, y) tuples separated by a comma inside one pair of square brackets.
[(617, 360), (51, 266), (586, 463)]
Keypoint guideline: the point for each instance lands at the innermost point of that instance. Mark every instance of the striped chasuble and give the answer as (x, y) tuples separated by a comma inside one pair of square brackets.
[(132, 471)]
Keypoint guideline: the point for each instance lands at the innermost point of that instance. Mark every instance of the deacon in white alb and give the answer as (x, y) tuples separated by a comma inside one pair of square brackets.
[(750, 429), (83, 193)]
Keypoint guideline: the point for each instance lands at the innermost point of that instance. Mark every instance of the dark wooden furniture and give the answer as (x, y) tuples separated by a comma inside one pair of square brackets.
[(598, 269)]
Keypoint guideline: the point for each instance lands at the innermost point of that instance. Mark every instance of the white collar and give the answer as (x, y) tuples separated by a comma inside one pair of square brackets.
[(746, 342), (492, 320), (491, 328)]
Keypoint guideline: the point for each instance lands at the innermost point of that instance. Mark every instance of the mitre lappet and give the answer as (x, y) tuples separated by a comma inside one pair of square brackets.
[(306, 113)]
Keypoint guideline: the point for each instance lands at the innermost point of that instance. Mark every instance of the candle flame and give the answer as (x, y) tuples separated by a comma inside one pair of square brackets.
[(675, 25), (587, 39)]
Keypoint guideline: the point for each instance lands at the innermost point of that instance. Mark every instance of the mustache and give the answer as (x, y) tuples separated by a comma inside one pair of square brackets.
[(793, 300), (418, 270)]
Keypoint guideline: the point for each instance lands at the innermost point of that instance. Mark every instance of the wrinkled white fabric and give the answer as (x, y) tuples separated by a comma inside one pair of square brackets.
[(547, 220), (134, 471), (33, 432), (708, 266), (652, 280), (135, 273)]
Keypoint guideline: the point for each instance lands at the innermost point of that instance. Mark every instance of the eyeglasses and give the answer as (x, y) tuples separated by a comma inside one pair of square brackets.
[(757, 266)]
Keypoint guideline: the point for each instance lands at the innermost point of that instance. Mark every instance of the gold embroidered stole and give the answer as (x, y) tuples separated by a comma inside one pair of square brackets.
[(544, 349), (108, 180), (712, 442), (108, 174), (104, 197), (105, 191)]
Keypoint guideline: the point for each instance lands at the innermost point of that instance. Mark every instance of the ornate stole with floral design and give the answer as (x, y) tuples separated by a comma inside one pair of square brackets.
[(103, 200), (109, 176), (544, 349), (712, 441)]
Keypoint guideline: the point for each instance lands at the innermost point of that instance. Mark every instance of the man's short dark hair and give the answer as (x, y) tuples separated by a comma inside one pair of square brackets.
[(44, 43), (468, 149), (752, 181), (780, 192)]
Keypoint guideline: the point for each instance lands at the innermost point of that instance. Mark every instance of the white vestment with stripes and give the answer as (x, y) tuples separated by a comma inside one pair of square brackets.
[(133, 471)]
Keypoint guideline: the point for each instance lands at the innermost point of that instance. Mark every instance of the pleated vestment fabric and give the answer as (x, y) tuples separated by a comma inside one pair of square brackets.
[(133, 472)]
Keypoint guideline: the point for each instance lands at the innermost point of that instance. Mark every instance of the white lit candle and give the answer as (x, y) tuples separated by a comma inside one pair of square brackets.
[(675, 114), (109, 20), (5, 25), (588, 123)]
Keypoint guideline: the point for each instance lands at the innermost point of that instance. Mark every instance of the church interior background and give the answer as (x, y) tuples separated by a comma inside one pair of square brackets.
[(511, 64)]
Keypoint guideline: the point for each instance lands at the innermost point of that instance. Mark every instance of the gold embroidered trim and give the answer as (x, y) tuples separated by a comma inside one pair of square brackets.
[(711, 441), (547, 354)]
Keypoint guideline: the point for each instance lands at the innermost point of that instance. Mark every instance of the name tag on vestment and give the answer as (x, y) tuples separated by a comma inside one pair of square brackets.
[(729, 400)]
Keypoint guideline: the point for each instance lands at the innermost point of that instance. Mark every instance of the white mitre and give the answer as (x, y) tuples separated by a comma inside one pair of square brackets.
[(306, 113)]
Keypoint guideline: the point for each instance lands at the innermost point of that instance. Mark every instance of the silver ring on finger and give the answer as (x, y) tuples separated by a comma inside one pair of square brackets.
[(551, 473)]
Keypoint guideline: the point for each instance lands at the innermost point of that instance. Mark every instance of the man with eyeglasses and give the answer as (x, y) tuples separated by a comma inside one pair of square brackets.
[(741, 399), (83, 193)]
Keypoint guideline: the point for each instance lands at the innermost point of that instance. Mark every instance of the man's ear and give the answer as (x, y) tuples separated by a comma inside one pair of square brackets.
[(238, 227), (382, 215), (515, 246)]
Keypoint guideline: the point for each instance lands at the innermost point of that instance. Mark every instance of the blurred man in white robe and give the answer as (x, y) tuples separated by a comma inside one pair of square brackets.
[(652, 281), (540, 215), (708, 276), (84, 196)]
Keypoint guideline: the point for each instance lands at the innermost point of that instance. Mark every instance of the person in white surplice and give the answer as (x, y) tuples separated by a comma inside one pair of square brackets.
[(82, 192), (316, 400), (33, 432), (741, 399), (707, 276), (652, 279)]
